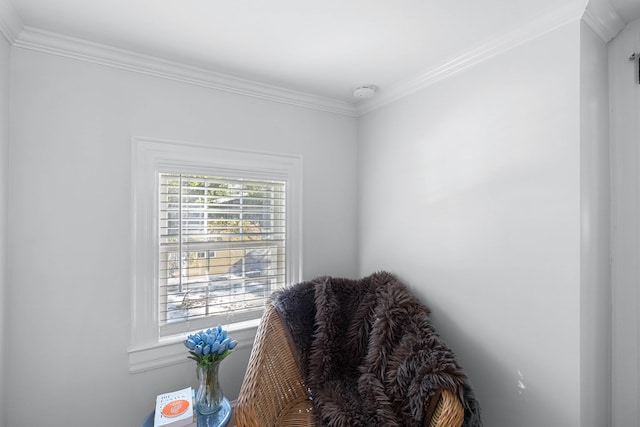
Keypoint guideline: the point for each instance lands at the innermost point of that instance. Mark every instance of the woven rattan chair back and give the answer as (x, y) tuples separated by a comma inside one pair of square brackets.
[(273, 393)]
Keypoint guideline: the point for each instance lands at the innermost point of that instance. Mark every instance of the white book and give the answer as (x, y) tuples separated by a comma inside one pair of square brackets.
[(175, 409)]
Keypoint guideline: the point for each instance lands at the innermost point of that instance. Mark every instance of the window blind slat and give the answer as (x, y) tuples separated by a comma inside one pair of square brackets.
[(222, 245)]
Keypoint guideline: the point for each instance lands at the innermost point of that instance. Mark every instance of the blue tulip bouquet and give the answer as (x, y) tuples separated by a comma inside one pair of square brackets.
[(210, 346)]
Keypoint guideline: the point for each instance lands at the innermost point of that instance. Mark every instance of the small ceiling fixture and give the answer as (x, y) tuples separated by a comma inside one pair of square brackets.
[(364, 92)]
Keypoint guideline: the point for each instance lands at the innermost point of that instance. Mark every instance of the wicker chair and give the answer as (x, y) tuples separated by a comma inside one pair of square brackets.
[(273, 392)]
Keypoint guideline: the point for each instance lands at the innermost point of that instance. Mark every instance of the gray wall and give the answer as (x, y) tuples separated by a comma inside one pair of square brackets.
[(595, 268), (71, 222), (625, 177), (4, 187), (471, 192)]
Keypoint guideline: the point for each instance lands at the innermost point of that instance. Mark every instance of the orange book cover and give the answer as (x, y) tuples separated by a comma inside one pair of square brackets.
[(174, 409)]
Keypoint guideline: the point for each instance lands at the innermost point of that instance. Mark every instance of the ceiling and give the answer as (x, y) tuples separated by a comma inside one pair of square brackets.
[(325, 48), (629, 10)]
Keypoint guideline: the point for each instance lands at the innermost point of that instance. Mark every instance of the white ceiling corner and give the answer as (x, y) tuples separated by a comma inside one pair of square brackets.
[(476, 54), (83, 50), (603, 19), (10, 23)]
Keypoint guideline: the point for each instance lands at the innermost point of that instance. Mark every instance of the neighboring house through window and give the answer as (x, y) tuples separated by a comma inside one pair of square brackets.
[(216, 232)]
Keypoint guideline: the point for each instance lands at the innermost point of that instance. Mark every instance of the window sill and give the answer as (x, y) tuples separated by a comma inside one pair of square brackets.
[(171, 350)]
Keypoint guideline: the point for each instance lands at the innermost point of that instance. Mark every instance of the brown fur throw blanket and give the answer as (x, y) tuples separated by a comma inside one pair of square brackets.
[(368, 352)]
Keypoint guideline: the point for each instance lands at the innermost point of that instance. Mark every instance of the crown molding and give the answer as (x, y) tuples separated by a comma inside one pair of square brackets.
[(598, 14), (482, 52), (69, 47), (603, 19), (10, 23)]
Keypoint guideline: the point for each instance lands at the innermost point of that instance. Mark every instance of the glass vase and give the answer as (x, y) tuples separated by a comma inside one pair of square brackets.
[(208, 394)]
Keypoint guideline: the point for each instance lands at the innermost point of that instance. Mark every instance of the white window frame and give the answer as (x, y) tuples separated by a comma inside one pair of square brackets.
[(150, 350)]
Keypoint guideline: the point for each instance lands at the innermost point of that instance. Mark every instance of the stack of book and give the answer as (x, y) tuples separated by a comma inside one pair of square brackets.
[(175, 409)]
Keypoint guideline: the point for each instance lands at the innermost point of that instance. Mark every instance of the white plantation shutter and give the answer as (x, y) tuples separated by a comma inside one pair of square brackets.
[(221, 247)]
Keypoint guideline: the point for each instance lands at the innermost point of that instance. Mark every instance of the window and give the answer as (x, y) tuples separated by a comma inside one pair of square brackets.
[(216, 231), (222, 246)]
